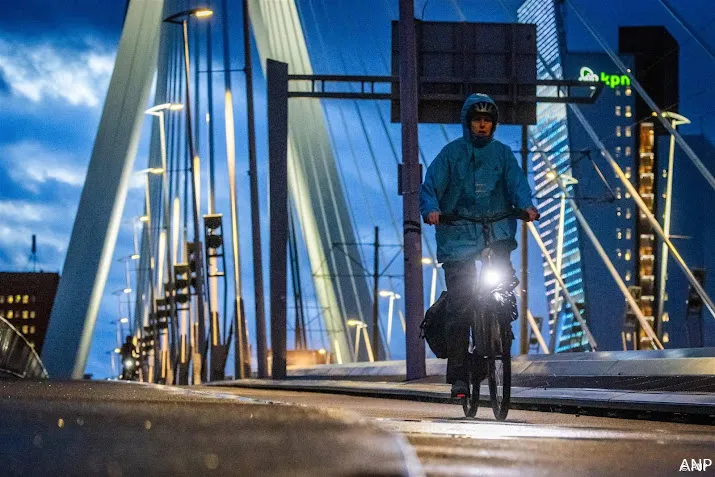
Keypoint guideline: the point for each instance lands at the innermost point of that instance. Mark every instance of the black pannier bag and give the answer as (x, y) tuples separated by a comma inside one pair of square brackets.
[(433, 327)]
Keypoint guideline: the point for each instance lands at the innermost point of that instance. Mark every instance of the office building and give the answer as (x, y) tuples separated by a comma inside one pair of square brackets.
[(26, 300)]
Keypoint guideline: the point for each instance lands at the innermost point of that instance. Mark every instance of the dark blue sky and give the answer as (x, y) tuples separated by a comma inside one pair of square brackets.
[(56, 59)]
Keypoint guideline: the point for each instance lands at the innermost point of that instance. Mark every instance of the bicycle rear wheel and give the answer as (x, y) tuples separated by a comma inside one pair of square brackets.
[(500, 385)]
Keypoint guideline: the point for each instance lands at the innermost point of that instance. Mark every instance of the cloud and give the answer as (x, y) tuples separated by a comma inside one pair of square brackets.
[(31, 163), (15, 237), (44, 71)]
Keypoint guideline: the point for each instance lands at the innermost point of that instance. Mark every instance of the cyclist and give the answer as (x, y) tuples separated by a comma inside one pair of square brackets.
[(474, 175)]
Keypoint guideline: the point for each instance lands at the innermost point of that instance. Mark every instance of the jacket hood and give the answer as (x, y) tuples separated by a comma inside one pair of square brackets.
[(471, 100)]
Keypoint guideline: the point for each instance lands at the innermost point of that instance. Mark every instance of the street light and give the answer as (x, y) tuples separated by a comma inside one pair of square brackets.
[(165, 242), (361, 326), (199, 12), (676, 120), (433, 286), (392, 296)]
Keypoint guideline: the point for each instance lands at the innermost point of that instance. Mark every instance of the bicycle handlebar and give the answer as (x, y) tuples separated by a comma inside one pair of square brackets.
[(450, 218)]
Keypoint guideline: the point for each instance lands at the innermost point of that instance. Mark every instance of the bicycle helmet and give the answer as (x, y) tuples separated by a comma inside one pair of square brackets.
[(484, 105)]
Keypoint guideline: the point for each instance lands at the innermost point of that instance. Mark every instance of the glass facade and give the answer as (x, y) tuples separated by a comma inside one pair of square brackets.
[(550, 142)]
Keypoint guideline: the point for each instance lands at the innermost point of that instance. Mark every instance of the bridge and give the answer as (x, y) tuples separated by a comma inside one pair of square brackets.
[(329, 210)]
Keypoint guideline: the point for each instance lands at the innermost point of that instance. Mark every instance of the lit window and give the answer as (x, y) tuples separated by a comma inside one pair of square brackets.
[(628, 151), (628, 172), (628, 195), (18, 298), (618, 211), (10, 299), (619, 234), (619, 254), (628, 213), (32, 329), (2, 299), (618, 131), (629, 113), (25, 299), (628, 276), (25, 314), (10, 314), (618, 192), (628, 91), (618, 91), (628, 255), (618, 151), (24, 329), (618, 110), (666, 317), (629, 234), (665, 173), (666, 338), (32, 315), (628, 131)]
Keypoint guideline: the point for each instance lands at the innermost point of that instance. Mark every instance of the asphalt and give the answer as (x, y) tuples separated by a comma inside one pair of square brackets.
[(127, 429), (528, 443), (658, 405)]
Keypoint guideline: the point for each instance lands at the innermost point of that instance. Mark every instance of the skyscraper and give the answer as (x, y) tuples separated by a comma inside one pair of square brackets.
[(601, 197), (624, 124), (550, 143)]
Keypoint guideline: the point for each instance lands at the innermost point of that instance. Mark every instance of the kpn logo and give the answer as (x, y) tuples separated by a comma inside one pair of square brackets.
[(695, 465), (587, 74)]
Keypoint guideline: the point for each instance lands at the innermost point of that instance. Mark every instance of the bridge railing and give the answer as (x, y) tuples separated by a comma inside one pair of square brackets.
[(18, 359)]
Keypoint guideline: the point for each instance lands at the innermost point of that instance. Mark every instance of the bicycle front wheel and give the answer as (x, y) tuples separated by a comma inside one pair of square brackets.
[(500, 385)]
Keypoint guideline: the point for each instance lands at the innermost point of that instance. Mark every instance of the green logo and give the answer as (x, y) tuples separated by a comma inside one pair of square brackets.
[(612, 81)]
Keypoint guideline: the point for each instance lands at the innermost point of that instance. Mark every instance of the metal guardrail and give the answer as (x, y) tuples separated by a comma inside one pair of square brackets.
[(17, 358)]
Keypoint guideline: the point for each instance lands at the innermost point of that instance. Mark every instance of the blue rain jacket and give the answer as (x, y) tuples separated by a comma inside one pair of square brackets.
[(473, 176)]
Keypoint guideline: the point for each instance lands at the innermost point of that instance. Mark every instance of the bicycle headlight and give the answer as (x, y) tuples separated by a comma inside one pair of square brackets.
[(492, 277)]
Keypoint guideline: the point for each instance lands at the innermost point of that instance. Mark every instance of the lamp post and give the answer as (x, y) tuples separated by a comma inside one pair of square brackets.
[(199, 12), (433, 286), (362, 327), (676, 120), (392, 296)]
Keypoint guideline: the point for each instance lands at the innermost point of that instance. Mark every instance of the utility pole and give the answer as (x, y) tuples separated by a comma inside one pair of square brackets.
[(376, 291), (411, 181), (255, 214), (523, 341)]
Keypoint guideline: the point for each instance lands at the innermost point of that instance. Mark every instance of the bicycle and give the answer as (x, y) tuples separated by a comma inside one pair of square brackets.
[(491, 334)]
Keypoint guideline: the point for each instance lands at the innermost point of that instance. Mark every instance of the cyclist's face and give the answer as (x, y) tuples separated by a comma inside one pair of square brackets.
[(482, 125)]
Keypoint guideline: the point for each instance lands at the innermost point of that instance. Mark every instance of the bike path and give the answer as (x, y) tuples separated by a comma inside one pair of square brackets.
[(696, 405)]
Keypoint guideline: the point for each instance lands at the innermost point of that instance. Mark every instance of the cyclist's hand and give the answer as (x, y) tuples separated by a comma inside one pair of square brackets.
[(432, 218), (533, 214)]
